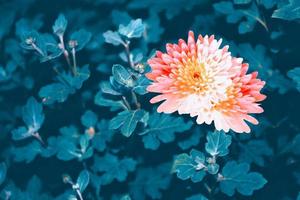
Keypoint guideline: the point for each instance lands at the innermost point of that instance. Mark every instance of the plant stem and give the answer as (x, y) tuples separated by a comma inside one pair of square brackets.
[(65, 52), (134, 97), (127, 50), (74, 69), (126, 103), (37, 136), (79, 194), (37, 49)]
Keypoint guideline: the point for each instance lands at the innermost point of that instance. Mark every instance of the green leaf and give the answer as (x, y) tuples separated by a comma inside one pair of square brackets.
[(289, 11), (190, 166), (89, 119), (113, 168), (254, 151), (66, 85), (150, 181), (102, 137), (55, 92), (217, 143), (32, 114), (122, 76), (247, 17), (213, 168), (134, 29), (83, 180), (113, 104), (60, 25), (193, 140), (27, 153), (162, 127), (127, 120), (141, 85), (106, 88), (260, 61), (113, 38), (79, 39), (21, 133), (237, 177)]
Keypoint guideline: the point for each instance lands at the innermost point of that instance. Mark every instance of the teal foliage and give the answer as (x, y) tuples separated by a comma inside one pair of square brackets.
[(113, 168), (65, 85), (76, 120), (236, 176), (196, 197), (157, 178), (33, 117), (162, 128), (190, 166), (127, 121), (217, 143), (294, 74), (288, 11), (247, 18)]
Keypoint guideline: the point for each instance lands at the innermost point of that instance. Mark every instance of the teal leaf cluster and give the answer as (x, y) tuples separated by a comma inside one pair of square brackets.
[(190, 166), (112, 168), (65, 85)]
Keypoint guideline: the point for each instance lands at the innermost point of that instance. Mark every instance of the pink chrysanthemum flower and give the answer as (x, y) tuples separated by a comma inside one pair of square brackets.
[(201, 79)]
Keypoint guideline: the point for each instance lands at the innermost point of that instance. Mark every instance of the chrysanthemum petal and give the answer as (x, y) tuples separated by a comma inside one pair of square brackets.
[(202, 79)]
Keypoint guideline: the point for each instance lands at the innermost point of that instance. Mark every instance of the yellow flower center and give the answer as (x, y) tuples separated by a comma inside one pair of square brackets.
[(191, 77)]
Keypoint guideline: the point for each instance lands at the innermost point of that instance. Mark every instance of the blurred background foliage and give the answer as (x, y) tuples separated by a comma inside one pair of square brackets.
[(75, 118)]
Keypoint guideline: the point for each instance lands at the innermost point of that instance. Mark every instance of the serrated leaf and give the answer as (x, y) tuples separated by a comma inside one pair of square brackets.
[(193, 140), (102, 137), (66, 85), (162, 128), (134, 29), (127, 121), (190, 166), (113, 38), (254, 151), (248, 17), (237, 177), (141, 85), (122, 75), (217, 143), (150, 181), (113, 168)]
